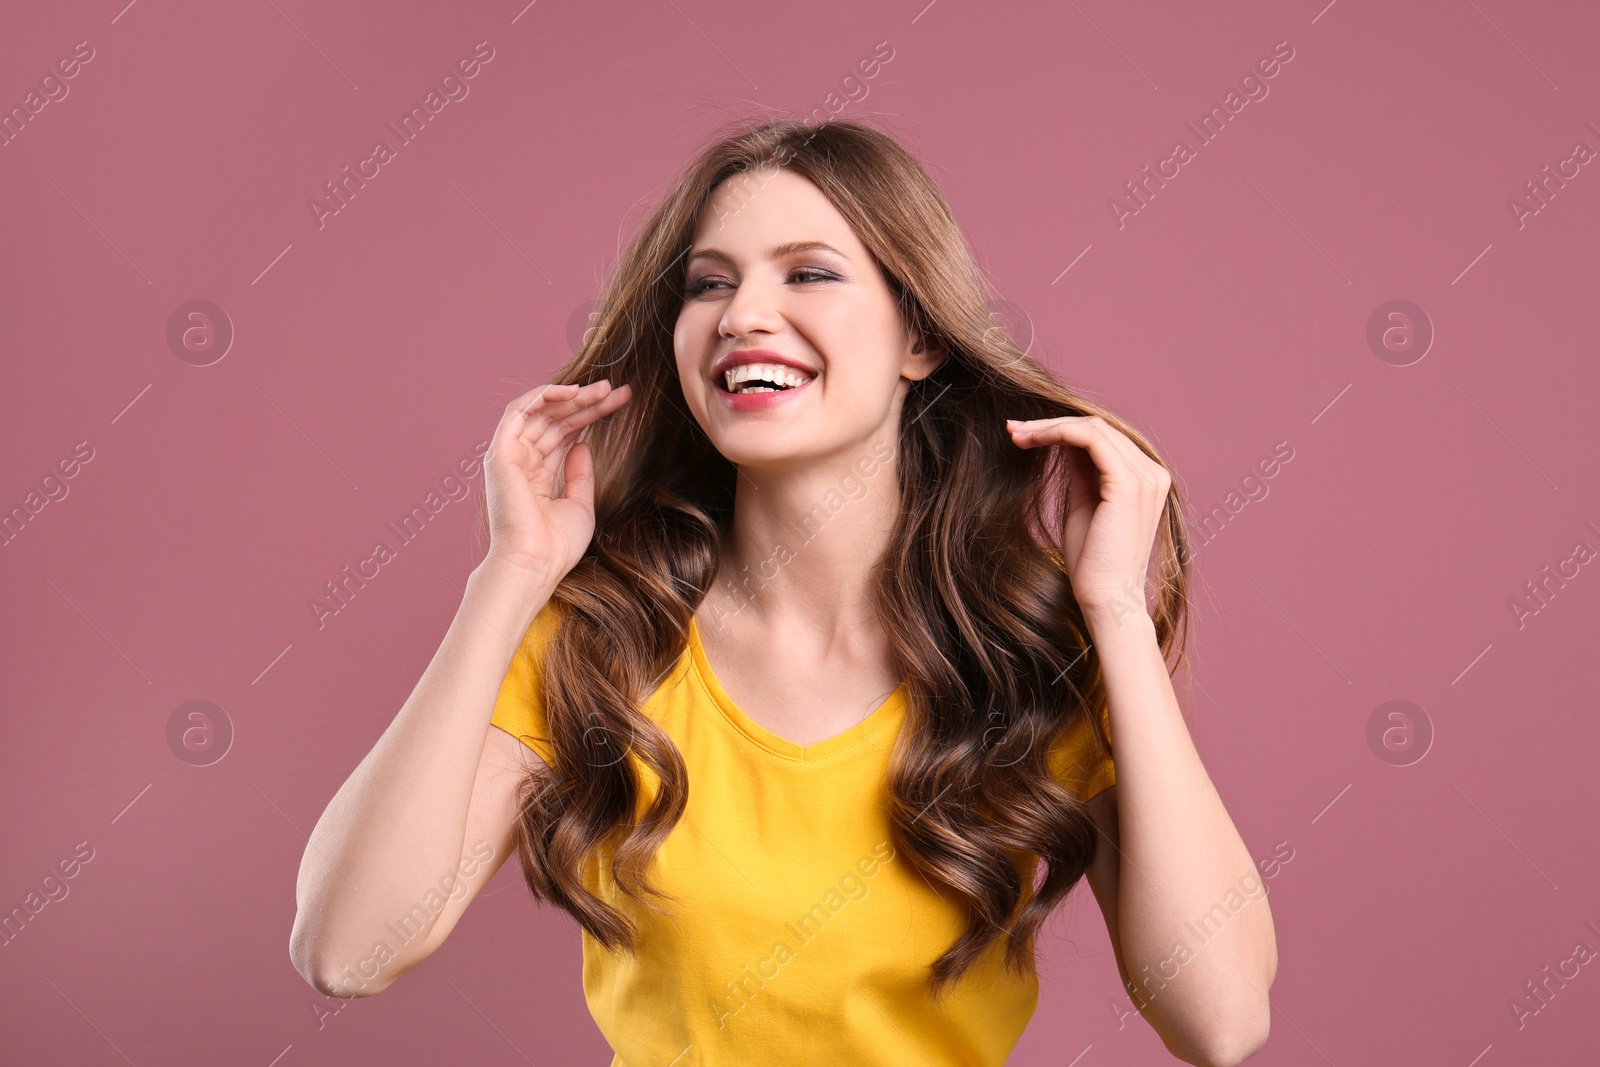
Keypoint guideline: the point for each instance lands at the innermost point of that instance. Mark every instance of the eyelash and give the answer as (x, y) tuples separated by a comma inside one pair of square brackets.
[(702, 286)]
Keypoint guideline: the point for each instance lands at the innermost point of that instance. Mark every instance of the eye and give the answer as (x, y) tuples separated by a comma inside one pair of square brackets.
[(707, 284)]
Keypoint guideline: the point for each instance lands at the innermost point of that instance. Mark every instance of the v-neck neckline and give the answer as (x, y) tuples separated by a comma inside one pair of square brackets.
[(892, 709)]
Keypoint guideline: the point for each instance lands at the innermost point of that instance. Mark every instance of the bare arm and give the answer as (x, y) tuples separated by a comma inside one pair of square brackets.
[(397, 830), (429, 815), (1170, 863), (1187, 914)]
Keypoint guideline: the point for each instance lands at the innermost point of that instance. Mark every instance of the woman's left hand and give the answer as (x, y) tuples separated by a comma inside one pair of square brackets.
[(1114, 506)]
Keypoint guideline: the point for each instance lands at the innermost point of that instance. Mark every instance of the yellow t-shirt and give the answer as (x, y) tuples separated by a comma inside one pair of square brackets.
[(802, 938)]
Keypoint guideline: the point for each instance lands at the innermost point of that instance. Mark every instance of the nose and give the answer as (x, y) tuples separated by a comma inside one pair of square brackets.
[(754, 308)]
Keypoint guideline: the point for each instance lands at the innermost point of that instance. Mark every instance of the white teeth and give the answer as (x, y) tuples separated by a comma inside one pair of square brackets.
[(770, 372)]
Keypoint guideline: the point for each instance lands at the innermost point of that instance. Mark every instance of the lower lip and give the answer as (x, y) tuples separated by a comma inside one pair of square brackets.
[(759, 401)]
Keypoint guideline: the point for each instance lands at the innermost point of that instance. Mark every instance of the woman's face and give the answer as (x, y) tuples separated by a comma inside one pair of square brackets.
[(827, 309)]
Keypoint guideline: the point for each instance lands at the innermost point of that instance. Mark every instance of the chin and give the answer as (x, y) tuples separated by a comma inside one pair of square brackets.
[(759, 455)]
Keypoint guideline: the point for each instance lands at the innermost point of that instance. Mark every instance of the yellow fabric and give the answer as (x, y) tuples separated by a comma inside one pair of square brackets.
[(801, 937)]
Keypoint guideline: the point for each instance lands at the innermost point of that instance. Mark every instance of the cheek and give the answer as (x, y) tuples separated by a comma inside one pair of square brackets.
[(680, 331), (697, 322), (860, 332), (687, 341), (689, 349)]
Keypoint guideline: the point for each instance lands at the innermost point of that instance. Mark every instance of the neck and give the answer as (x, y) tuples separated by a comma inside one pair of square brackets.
[(804, 545)]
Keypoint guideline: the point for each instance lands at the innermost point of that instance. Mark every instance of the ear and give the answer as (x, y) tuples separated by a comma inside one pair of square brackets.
[(922, 360)]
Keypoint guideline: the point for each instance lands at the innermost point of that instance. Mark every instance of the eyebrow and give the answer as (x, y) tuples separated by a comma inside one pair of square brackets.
[(775, 252)]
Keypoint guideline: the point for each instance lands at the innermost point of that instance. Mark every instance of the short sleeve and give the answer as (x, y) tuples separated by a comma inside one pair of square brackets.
[(1078, 762), (519, 709)]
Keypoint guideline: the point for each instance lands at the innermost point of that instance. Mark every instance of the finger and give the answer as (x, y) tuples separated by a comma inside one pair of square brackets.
[(557, 433), (577, 409), (532, 421), (590, 406), (557, 403), (579, 475), (554, 446), (521, 408), (1091, 433), (539, 396), (531, 414), (554, 402)]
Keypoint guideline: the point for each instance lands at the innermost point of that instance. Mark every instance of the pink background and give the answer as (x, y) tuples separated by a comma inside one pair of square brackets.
[(370, 354)]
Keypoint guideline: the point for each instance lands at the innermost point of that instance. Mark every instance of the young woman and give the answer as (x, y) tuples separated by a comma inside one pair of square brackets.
[(792, 667)]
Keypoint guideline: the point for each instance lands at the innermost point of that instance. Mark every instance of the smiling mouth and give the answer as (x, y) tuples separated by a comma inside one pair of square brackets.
[(761, 378)]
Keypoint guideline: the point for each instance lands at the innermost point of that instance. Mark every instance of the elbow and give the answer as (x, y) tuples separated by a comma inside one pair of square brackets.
[(1242, 1031), (1231, 1048), (342, 984), (313, 963), (338, 981)]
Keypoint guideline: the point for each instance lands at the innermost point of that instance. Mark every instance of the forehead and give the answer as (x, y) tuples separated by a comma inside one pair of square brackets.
[(751, 213)]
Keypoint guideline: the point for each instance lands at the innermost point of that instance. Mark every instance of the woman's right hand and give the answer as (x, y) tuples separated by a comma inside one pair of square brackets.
[(540, 437)]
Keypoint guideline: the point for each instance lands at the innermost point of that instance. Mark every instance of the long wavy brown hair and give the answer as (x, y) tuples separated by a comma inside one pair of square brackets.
[(979, 611)]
